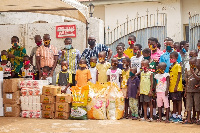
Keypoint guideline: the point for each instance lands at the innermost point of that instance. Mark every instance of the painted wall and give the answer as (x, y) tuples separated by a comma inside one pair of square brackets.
[(191, 6), (96, 29), (177, 13)]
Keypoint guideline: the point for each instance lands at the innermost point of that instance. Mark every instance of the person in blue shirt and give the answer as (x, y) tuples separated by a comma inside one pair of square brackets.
[(166, 56)]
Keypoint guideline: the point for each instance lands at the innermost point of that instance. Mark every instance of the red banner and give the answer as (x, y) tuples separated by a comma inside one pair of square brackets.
[(63, 31)]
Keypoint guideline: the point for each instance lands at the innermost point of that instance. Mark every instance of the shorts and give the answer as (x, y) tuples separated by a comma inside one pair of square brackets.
[(145, 98), (175, 96), (161, 98), (193, 98)]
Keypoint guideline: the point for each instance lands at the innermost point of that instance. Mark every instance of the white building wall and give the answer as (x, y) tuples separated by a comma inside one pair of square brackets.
[(176, 10), (96, 29), (23, 26), (171, 7)]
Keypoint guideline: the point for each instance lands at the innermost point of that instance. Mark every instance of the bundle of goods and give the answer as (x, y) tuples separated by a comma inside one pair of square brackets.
[(63, 103), (96, 107), (79, 103), (105, 99), (115, 105), (30, 99), (1, 94), (11, 97), (47, 99)]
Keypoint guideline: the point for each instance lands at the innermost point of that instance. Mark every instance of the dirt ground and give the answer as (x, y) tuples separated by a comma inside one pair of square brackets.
[(25, 125)]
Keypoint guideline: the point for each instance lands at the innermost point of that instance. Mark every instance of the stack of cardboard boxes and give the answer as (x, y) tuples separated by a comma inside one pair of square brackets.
[(1, 94), (11, 97), (30, 99), (63, 103), (47, 99)]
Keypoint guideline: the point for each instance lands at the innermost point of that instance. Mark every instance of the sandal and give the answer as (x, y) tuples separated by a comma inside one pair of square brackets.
[(167, 121), (150, 120), (187, 122), (158, 120), (198, 122), (142, 119), (134, 118)]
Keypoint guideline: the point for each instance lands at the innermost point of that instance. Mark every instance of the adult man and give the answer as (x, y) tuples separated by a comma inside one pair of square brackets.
[(15, 56), (38, 41), (130, 50), (46, 55), (72, 56), (94, 49)]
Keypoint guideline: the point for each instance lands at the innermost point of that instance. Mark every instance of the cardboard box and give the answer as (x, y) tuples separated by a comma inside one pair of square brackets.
[(31, 114), (36, 99), (48, 114), (48, 107), (25, 114), (12, 110), (63, 98), (11, 98), (25, 106), (1, 111), (11, 85), (62, 115), (51, 90), (63, 107), (47, 99), (24, 99)]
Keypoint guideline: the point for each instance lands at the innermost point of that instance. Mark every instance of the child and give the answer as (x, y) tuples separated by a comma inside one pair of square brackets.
[(155, 52), (93, 70), (129, 51), (137, 59), (162, 90), (145, 90), (27, 71), (175, 87), (102, 68), (152, 67), (64, 78), (114, 73), (5, 65), (125, 75), (45, 74), (82, 74), (177, 46), (133, 85), (120, 55), (191, 92)]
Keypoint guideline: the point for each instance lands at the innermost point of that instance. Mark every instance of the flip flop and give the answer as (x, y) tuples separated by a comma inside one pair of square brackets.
[(158, 120), (187, 122)]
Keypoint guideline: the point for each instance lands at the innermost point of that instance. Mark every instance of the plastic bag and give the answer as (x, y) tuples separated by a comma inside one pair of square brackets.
[(115, 102), (79, 103), (96, 107)]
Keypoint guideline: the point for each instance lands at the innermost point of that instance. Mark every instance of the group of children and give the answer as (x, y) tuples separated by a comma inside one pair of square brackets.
[(148, 78)]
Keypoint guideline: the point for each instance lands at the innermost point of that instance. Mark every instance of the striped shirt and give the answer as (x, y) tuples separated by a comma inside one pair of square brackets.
[(72, 57), (46, 55), (88, 52)]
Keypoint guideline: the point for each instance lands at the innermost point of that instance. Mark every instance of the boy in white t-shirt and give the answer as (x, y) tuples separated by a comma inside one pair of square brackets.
[(93, 70), (162, 88), (136, 60), (114, 74)]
